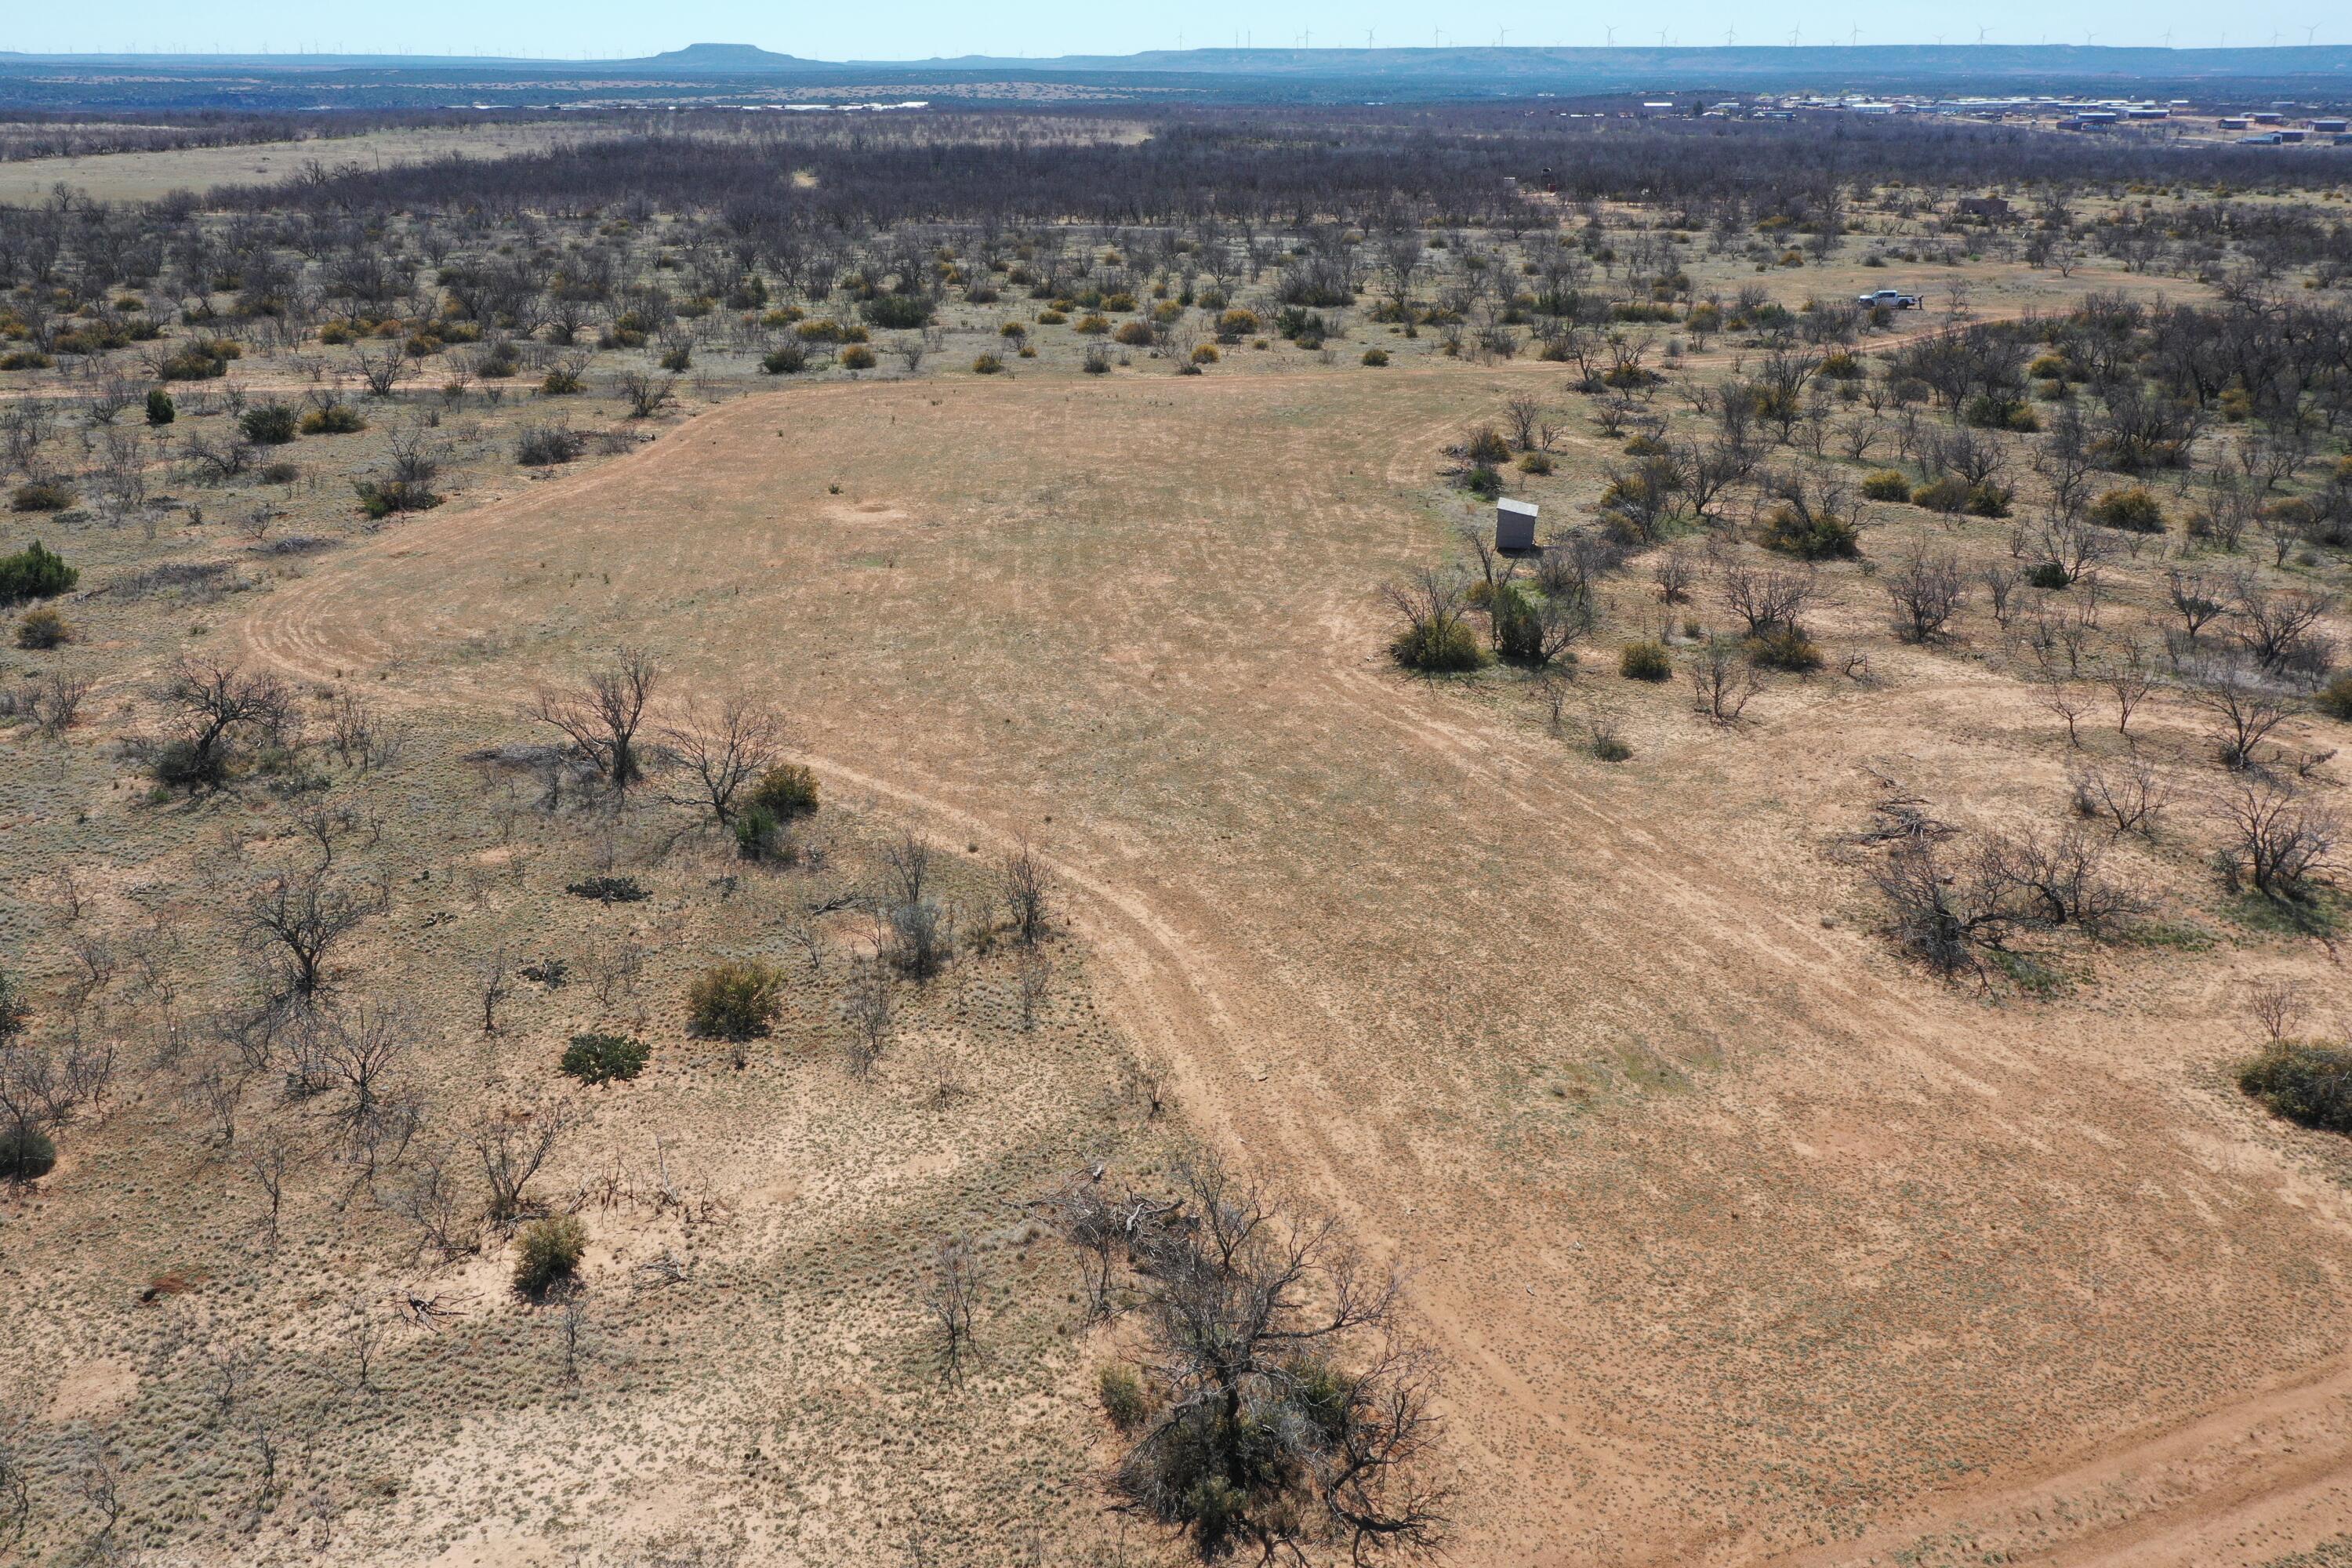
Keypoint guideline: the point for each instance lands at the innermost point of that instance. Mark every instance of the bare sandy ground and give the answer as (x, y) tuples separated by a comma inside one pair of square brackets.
[(1744, 1243)]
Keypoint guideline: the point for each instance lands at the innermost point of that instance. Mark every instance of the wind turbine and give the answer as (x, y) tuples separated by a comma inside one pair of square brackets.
[(2310, 34), (1662, 37), (1853, 37), (1794, 34), (1612, 39), (1981, 34), (1731, 36)]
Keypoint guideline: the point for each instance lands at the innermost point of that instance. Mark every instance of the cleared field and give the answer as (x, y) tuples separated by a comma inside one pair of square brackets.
[(1743, 1242), (145, 176)]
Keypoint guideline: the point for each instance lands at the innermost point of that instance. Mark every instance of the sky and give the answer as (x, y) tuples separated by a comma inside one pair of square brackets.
[(622, 28)]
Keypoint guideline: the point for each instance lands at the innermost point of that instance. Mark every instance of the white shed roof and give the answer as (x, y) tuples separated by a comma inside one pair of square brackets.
[(1516, 508)]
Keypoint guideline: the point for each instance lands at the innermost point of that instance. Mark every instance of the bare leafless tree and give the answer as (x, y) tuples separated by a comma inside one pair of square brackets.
[(494, 983), (2131, 797), (1723, 681), (434, 1201), (725, 751), (1026, 887), (270, 1161), (2244, 714), (512, 1145), (602, 717), (1769, 598), (383, 364), (362, 1046), (299, 918), (2278, 1006), (215, 707), (951, 1296), (1927, 591), (2279, 840), (870, 1006)]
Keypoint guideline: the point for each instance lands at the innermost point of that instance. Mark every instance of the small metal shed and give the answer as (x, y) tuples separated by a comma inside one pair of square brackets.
[(1514, 524)]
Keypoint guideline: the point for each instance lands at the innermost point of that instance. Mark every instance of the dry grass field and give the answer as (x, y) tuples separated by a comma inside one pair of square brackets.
[(1738, 1237), (145, 176)]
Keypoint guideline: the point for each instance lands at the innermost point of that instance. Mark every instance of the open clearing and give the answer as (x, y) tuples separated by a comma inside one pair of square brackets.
[(145, 176), (1744, 1243)]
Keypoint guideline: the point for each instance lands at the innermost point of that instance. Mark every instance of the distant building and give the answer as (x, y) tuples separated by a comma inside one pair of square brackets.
[(1992, 209), (2331, 126)]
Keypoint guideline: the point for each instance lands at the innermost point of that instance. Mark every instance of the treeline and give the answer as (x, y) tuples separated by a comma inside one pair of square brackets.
[(1365, 166)]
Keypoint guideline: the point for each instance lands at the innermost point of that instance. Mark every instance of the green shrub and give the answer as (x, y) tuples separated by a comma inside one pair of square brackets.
[(785, 359), (2303, 1081), (785, 793), (333, 419), (268, 424), (278, 473), (2134, 509), (1608, 748), (26, 1154), (551, 1250), (987, 364), (198, 362), (897, 310), (41, 495), (1783, 648), (857, 356), (34, 572), (1519, 632), (2047, 575), (1535, 462), (1486, 445), (1438, 647), (1819, 538), (735, 1000), (2335, 699), (601, 1058), (562, 382), (1644, 661), (1375, 357), (381, 499), (1887, 485), (1988, 500), (1124, 1398), (1947, 494), (1482, 480), (43, 628), (160, 409)]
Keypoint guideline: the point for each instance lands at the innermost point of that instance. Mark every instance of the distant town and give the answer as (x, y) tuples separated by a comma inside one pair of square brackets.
[(2277, 124)]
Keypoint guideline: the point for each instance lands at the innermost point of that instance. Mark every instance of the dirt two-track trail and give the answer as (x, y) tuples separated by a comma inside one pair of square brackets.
[(1741, 1243)]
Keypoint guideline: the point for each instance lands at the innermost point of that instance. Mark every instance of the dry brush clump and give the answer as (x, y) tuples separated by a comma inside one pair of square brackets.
[(1952, 909), (1274, 1405)]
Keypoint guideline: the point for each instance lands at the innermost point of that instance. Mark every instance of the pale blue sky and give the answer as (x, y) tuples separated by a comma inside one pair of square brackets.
[(612, 28)]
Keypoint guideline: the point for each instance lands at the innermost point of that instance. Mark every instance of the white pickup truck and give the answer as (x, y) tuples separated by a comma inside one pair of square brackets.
[(1893, 298)]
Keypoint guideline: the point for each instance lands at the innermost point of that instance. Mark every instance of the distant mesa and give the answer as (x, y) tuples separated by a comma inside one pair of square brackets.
[(727, 57)]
